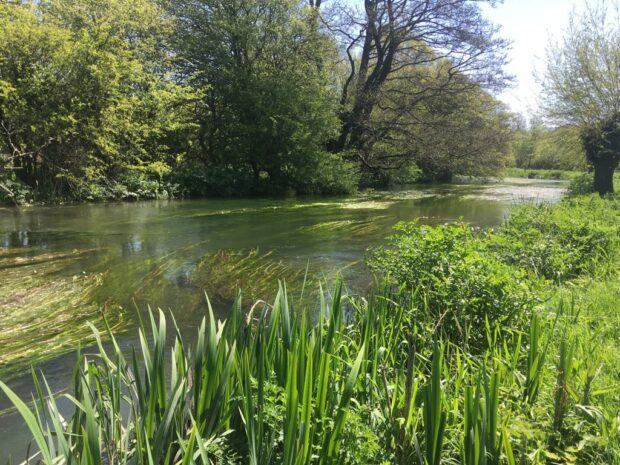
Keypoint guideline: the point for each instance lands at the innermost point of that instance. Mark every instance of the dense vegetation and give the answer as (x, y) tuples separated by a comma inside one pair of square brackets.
[(108, 99), (486, 346), (540, 148)]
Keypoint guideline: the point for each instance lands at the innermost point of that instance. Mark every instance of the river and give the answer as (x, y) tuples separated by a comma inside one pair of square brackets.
[(148, 252)]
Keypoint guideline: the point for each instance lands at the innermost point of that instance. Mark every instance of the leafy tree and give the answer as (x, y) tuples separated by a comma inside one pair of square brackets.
[(581, 87), (392, 40), (540, 147), (458, 131), (268, 103), (85, 94)]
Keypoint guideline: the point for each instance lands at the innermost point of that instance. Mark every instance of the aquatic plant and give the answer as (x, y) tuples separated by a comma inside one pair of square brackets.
[(350, 227), (361, 380), (224, 272), (270, 385), (40, 300)]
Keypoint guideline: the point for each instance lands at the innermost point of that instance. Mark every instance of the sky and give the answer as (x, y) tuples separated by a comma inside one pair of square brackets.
[(529, 24)]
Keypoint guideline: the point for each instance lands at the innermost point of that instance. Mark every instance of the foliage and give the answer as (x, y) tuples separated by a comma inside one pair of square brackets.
[(582, 184), (13, 191), (85, 95), (406, 74), (110, 100), (539, 147), (559, 242), (602, 146), (462, 130), (364, 380), (267, 106), (452, 279), (269, 387), (581, 86), (556, 175)]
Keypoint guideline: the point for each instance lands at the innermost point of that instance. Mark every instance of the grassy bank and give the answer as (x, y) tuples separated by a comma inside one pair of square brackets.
[(541, 174), (496, 347), (555, 175)]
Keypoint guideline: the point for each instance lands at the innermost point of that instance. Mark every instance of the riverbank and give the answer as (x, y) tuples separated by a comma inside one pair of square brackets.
[(557, 175), (25, 198), (542, 174), (506, 350)]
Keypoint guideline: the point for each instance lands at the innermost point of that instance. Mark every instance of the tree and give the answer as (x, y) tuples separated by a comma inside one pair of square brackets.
[(269, 103), (457, 131), (434, 47), (85, 96), (542, 147), (581, 86)]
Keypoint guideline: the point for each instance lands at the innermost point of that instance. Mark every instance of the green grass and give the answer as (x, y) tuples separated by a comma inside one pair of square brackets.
[(556, 175), (272, 387)]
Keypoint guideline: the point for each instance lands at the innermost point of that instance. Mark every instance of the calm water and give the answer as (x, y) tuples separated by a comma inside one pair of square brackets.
[(132, 243)]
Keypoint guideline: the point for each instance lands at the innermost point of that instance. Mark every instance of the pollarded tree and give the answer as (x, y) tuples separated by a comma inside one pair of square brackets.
[(581, 86)]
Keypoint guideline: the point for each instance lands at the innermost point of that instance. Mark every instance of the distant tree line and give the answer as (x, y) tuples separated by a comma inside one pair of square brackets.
[(115, 99), (539, 147)]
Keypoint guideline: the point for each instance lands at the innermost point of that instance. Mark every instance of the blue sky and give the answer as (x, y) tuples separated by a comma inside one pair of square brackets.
[(529, 24)]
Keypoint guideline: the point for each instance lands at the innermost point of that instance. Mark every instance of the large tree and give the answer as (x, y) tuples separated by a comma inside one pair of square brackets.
[(403, 53), (458, 130), (581, 86), (268, 99), (84, 92)]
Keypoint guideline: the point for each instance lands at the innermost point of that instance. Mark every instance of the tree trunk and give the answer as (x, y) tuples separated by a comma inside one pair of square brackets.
[(604, 176)]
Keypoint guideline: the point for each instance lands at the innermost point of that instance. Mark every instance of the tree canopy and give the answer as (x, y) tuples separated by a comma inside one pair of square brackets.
[(115, 99)]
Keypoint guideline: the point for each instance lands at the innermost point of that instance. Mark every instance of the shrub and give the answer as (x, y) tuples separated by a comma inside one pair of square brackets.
[(561, 241), (12, 191), (454, 280), (581, 185)]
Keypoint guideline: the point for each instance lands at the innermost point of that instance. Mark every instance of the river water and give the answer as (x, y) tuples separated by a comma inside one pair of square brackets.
[(147, 252)]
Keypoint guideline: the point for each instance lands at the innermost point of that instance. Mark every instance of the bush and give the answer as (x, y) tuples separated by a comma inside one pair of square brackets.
[(454, 280), (581, 185), (332, 175), (562, 241), (12, 191)]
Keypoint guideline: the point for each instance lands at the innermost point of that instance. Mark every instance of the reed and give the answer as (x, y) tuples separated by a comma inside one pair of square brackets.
[(362, 381)]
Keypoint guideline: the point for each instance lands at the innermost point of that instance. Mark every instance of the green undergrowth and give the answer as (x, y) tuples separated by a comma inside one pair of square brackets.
[(555, 175), (365, 382)]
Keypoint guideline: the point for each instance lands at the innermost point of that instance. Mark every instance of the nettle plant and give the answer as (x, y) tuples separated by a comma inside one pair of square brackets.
[(456, 283)]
